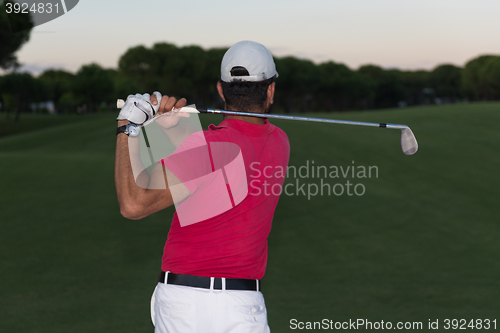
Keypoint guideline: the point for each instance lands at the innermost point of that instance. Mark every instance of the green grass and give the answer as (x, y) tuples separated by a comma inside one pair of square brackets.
[(32, 122), (421, 243)]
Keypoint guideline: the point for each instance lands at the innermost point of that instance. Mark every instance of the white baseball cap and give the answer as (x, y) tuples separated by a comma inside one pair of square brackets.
[(254, 57)]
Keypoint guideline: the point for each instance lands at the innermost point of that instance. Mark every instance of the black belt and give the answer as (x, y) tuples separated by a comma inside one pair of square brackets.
[(204, 282)]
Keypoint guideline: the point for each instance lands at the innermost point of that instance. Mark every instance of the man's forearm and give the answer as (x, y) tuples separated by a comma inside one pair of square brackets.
[(126, 187), (137, 201), (131, 197)]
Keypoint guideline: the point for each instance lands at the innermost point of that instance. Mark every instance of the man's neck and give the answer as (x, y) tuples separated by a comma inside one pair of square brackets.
[(251, 120)]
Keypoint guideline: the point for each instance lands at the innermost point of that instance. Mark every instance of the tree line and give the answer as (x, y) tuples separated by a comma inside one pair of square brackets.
[(302, 85)]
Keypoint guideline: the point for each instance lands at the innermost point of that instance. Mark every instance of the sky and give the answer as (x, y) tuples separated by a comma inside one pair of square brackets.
[(405, 34)]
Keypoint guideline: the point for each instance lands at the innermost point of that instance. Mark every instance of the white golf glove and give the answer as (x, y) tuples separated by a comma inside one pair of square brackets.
[(139, 110)]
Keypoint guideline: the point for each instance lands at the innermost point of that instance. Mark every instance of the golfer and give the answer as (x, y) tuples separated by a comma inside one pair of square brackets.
[(211, 269)]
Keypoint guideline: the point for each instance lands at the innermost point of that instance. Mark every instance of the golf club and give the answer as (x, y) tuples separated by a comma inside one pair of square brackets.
[(409, 144)]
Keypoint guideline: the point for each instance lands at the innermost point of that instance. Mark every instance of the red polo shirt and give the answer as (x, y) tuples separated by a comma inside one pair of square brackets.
[(232, 244)]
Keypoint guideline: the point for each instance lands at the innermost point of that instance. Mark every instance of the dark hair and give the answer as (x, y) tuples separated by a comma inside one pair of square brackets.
[(244, 95)]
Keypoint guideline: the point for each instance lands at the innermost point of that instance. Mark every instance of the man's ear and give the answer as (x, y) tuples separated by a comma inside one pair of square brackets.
[(219, 89), (270, 92)]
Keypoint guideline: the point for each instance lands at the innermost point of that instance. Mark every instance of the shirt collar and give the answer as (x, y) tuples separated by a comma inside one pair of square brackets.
[(245, 127)]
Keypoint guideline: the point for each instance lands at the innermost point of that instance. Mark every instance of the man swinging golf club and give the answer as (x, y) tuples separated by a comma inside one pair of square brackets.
[(211, 269)]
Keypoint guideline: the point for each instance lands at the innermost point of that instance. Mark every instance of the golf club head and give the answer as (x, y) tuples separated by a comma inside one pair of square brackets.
[(408, 142)]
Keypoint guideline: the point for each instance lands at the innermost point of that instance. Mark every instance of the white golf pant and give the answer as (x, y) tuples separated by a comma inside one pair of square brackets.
[(180, 309)]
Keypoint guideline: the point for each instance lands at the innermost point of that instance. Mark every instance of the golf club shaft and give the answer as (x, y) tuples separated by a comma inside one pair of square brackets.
[(408, 142), (319, 120)]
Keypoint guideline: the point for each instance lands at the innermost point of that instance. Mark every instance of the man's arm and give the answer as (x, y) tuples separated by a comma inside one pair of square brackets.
[(135, 201)]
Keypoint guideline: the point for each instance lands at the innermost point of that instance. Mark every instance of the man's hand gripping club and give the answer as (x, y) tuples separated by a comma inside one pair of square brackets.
[(139, 109), (142, 109)]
